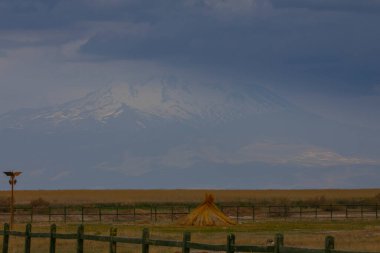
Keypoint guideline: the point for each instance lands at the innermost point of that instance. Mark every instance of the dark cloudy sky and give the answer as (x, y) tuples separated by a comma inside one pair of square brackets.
[(322, 55)]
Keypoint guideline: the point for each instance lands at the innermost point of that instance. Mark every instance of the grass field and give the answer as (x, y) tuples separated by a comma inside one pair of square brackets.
[(185, 196), (349, 235), (360, 235)]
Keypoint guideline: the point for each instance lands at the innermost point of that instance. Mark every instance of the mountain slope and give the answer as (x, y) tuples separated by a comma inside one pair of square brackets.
[(163, 98), (169, 133)]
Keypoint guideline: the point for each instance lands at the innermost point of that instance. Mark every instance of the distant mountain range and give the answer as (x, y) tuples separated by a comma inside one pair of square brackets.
[(170, 133), (164, 99)]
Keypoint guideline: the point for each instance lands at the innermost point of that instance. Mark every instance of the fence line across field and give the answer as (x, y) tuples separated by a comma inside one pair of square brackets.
[(170, 213), (146, 241)]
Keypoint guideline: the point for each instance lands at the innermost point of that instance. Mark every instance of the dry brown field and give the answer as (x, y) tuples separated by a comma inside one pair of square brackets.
[(184, 196)]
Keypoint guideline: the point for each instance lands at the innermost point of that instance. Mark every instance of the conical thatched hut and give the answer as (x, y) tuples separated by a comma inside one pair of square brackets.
[(207, 214)]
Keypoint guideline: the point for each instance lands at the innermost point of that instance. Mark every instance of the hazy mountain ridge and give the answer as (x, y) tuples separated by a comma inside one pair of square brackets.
[(166, 129), (154, 100)]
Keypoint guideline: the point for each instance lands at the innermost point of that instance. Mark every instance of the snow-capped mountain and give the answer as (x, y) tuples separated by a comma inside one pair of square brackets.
[(166, 132), (158, 98)]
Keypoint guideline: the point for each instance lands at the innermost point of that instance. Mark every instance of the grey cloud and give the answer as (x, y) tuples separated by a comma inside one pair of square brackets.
[(60, 175), (285, 154), (369, 6), (322, 50), (253, 39), (34, 40), (24, 14), (134, 165), (60, 14), (268, 153)]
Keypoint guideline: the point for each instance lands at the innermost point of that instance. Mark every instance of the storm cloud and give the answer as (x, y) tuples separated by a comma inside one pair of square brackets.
[(328, 46)]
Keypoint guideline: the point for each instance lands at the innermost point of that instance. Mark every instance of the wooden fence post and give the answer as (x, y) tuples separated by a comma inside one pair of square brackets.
[(53, 230), (186, 239), (329, 244), (49, 214), (82, 213), (28, 238), (117, 213), (361, 211), (155, 214), (80, 241), (346, 212), (31, 214), (172, 213), (253, 213), (100, 214), (237, 214), (145, 241), (134, 214), (285, 212), (278, 242), (113, 232), (64, 214), (230, 243), (6, 238)]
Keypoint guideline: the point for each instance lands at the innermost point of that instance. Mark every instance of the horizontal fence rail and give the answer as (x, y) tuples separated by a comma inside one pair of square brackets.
[(243, 213), (146, 241)]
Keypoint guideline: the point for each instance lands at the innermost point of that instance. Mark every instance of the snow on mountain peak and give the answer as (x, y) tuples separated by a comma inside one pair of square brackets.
[(168, 99)]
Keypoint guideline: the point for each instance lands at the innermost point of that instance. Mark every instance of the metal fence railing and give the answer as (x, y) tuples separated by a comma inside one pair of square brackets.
[(170, 213)]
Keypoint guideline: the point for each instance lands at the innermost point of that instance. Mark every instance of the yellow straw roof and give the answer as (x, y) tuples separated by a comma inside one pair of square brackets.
[(207, 214)]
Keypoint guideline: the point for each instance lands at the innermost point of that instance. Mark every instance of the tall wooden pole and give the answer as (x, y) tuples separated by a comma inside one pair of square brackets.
[(12, 181), (12, 201)]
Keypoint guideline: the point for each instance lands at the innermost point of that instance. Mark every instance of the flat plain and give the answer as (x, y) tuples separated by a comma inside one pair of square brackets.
[(188, 196)]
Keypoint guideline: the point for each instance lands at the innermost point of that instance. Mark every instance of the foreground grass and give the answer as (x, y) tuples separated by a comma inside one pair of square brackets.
[(360, 235)]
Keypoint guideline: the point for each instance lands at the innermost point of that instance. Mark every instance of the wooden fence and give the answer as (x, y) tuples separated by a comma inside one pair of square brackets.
[(146, 241), (169, 213)]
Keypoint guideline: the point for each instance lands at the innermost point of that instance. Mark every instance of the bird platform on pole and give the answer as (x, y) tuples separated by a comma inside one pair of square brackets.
[(12, 173), (12, 181)]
